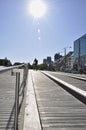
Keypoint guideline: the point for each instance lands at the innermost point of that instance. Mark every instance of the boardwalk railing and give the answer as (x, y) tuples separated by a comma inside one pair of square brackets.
[(19, 90)]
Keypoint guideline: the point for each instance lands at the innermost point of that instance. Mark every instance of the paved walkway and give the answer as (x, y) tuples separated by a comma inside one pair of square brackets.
[(57, 109)]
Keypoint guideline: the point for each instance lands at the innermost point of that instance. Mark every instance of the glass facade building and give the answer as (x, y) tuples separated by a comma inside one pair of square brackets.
[(80, 53)]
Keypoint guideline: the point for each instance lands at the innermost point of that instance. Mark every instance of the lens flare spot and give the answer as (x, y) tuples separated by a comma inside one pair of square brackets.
[(38, 30), (39, 38)]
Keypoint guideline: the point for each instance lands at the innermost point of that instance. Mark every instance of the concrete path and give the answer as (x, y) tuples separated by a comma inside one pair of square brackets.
[(31, 119)]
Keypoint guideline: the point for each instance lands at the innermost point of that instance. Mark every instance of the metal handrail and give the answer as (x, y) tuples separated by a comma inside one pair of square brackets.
[(10, 68), (17, 106)]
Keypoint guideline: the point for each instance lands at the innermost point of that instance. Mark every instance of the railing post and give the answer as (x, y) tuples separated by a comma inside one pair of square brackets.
[(16, 100), (25, 77)]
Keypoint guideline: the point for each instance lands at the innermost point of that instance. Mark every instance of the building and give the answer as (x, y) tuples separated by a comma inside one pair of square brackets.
[(47, 61), (80, 54), (44, 61), (57, 56), (65, 63), (69, 61), (5, 62)]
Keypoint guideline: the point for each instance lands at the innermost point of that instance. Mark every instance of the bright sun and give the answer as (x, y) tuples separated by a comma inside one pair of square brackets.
[(37, 8)]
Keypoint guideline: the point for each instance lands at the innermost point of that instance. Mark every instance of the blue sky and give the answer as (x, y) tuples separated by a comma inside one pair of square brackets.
[(63, 23)]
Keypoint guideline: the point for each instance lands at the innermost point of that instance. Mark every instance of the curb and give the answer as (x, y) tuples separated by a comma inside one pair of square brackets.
[(75, 77), (76, 92)]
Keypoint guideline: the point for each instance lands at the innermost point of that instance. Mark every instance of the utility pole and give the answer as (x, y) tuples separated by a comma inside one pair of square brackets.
[(79, 64)]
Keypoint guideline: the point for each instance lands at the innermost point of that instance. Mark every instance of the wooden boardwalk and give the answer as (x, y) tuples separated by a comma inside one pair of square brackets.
[(58, 109), (7, 101), (76, 82)]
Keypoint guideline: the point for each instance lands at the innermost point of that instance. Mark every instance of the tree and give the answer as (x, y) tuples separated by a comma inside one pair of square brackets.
[(35, 63), (42, 67)]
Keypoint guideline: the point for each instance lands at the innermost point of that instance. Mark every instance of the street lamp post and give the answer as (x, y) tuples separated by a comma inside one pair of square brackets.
[(65, 56), (79, 65)]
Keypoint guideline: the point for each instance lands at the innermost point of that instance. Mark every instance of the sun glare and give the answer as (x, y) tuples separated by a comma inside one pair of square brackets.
[(37, 8)]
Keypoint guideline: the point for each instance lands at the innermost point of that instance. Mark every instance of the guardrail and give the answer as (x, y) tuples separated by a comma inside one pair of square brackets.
[(19, 89)]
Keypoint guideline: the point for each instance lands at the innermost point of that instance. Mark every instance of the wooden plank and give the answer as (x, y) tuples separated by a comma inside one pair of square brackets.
[(58, 109), (7, 98)]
